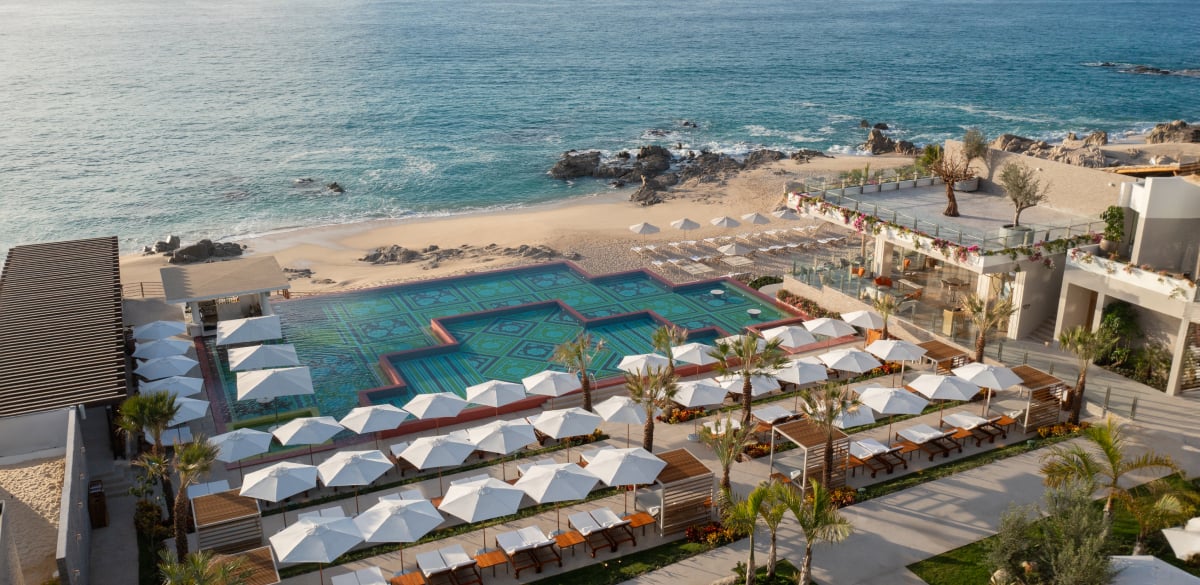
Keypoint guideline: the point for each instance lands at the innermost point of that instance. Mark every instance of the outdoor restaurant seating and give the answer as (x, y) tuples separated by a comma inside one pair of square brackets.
[(929, 440), (979, 428), (876, 456)]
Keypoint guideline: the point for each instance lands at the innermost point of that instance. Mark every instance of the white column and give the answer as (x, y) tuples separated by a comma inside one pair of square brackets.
[(264, 302)]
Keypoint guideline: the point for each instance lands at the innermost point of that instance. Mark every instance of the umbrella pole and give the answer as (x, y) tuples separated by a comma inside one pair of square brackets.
[(322, 570), (310, 456), (356, 510), (627, 489), (986, 403), (628, 439), (889, 435)]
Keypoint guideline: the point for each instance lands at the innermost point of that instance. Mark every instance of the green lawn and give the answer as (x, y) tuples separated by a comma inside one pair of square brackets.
[(629, 566)]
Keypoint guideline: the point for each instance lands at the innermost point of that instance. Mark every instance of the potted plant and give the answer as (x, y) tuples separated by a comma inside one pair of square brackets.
[(1114, 228), (1025, 190)]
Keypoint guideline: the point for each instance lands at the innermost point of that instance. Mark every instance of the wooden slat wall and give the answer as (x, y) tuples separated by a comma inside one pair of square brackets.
[(232, 536), (686, 503)]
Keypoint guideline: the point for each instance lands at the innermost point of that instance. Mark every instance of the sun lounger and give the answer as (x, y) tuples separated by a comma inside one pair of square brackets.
[(367, 576), (543, 546), (772, 414), (930, 440), (615, 527), (980, 428), (520, 555), (717, 427), (876, 456), (594, 535), (461, 565), (431, 563)]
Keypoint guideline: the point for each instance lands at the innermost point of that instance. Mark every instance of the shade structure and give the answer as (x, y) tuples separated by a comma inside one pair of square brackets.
[(759, 385), (566, 422), (279, 481), (177, 385), (437, 451), (374, 418), (347, 468), (551, 383), (308, 430), (700, 393), (800, 373), (685, 224), (864, 319), (850, 360), (938, 387), (165, 367), (268, 384), (623, 410), (148, 350), (495, 393), (398, 521), (258, 357), (241, 443), (987, 375), (249, 330), (1184, 540), (435, 405), (896, 350), (315, 540), (631, 466), (756, 218), (891, 400), (735, 249), (697, 354), (790, 336), (848, 420), (190, 409), (642, 363), (476, 501), (502, 436), (724, 221), (159, 330), (560, 482), (735, 340), (829, 327), (643, 229), (785, 214)]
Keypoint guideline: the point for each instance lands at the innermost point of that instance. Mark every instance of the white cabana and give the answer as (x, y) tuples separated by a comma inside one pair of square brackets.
[(785, 214), (502, 436), (241, 443), (147, 350), (269, 384), (308, 430), (801, 373), (190, 409), (437, 451), (435, 405), (279, 481), (896, 350), (316, 540), (258, 357), (476, 501), (700, 393), (634, 466), (829, 327), (165, 367), (864, 319), (759, 385), (495, 393), (249, 330), (987, 376), (566, 422), (850, 360), (353, 468), (398, 521), (622, 410), (374, 418), (560, 482)]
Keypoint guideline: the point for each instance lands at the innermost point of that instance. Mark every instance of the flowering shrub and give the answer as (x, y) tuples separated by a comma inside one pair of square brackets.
[(1061, 430), (756, 450), (712, 534), (680, 415), (803, 305), (843, 496)]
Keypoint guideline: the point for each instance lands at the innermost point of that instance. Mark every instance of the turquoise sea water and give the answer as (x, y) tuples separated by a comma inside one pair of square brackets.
[(141, 118)]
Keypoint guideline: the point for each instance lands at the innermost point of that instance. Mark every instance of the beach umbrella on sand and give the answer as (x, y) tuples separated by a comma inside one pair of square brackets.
[(147, 350), (725, 221), (437, 451), (189, 410), (643, 229), (785, 214), (316, 540), (436, 405), (938, 387), (165, 367), (307, 430), (891, 401), (864, 319), (476, 501), (241, 443), (896, 350), (987, 376), (249, 330), (622, 409), (159, 330), (177, 385), (685, 224), (560, 482), (353, 468), (633, 466), (643, 362), (792, 336), (373, 419), (697, 354), (495, 393), (756, 218), (735, 249), (258, 357), (398, 521)]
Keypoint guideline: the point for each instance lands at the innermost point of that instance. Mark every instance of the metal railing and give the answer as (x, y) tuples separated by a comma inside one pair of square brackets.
[(141, 290)]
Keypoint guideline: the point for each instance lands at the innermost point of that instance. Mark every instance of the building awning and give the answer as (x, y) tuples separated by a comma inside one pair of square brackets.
[(215, 280), (62, 340)]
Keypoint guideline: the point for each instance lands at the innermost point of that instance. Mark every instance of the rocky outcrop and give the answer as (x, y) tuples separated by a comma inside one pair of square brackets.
[(761, 157), (880, 143), (205, 250), (432, 256), (335, 188), (574, 164), (1097, 138), (1018, 144), (168, 245), (806, 154), (1177, 131), (1087, 155)]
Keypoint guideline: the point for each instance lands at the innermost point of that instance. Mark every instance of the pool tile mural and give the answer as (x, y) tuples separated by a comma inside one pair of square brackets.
[(342, 336)]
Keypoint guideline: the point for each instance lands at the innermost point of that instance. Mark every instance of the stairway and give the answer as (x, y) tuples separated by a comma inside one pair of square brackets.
[(1044, 333)]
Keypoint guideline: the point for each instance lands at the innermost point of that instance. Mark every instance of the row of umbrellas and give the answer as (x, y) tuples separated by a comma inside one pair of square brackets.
[(686, 224)]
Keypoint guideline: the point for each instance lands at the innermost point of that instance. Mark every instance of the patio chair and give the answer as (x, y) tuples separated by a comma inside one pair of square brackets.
[(520, 555), (594, 535), (930, 440), (615, 527), (543, 546), (979, 428)]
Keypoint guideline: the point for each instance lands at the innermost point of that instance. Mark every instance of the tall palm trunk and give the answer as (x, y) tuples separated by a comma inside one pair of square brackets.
[(827, 471), (980, 343), (181, 517), (806, 566), (750, 569), (726, 485), (1077, 397), (771, 557), (747, 401), (169, 495), (586, 385), (648, 434)]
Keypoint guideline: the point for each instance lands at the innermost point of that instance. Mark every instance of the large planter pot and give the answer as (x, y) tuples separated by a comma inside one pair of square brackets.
[(1108, 246), (968, 185), (889, 186), (870, 188), (907, 184), (1016, 236), (924, 181)]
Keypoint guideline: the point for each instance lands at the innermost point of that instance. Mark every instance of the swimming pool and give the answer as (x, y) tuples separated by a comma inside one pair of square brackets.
[(504, 324)]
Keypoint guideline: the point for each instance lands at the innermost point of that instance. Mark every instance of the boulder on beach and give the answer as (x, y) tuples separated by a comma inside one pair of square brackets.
[(205, 250), (1177, 131), (573, 165)]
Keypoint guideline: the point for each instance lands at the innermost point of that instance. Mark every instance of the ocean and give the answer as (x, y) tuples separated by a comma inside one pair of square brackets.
[(142, 118)]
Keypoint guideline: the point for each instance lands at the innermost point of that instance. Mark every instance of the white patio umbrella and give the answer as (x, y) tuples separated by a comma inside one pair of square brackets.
[(165, 367), (258, 357), (190, 409), (938, 387), (353, 468), (249, 330), (864, 319), (1184, 540), (269, 384), (398, 521), (697, 354), (476, 501), (241, 443), (566, 422), (891, 401), (316, 540), (633, 466), (685, 224), (495, 393), (759, 385), (790, 336), (560, 482), (502, 437), (850, 360), (756, 218), (830, 328), (698, 393), (436, 405), (374, 419), (735, 249), (896, 350), (644, 229), (735, 340), (437, 451), (785, 214), (987, 376), (551, 383), (147, 350), (622, 409), (801, 373), (279, 481), (159, 330), (307, 430), (724, 221), (848, 420), (177, 385), (642, 362)]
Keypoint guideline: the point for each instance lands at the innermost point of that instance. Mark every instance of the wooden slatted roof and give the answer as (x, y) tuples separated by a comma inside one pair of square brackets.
[(259, 563), (62, 337), (222, 507), (807, 433), (681, 464), (937, 351), (1035, 379)]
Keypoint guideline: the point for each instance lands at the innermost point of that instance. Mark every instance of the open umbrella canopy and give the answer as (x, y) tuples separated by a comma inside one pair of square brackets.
[(148, 350), (561, 482), (307, 430), (724, 221), (566, 422), (756, 218), (622, 409), (685, 224), (268, 384), (551, 383), (790, 336), (502, 436), (437, 451), (735, 249), (1184, 540), (987, 375), (495, 393), (829, 327), (249, 330), (435, 405), (159, 330), (398, 520), (241, 443), (475, 501), (165, 367), (642, 362), (785, 214), (848, 420), (631, 466), (257, 357), (374, 418), (896, 350), (353, 468), (697, 354), (643, 229), (864, 319), (800, 373), (190, 409), (698, 393), (736, 340), (850, 360), (938, 387), (759, 385), (177, 385), (279, 481), (315, 540), (891, 400)]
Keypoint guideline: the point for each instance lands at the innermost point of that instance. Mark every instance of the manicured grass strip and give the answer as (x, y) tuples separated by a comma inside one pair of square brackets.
[(629, 566)]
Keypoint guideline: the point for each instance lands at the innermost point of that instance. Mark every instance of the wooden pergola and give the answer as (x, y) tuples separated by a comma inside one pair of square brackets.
[(1046, 395), (687, 491), (943, 356), (809, 438), (227, 522), (259, 563)]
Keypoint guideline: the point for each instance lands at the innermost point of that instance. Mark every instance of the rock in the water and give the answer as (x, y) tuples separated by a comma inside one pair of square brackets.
[(864, 123), (879, 143), (880, 126), (906, 147), (761, 157), (171, 243), (336, 188), (574, 164), (1097, 138), (1177, 131), (303, 181), (1072, 136)]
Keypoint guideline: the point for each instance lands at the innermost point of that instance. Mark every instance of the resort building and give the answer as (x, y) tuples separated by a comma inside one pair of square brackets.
[(214, 291)]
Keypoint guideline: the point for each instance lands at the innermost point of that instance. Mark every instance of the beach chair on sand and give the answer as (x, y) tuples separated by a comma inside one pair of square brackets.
[(594, 536), (544, 547), (929, 440), (616, 528)]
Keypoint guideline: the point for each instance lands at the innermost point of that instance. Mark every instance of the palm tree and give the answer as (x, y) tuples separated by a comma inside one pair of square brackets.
[(577, 357), (1077, 463), (653, 389), (202, 568), (1087, 346), (727, 446), (150, 413), (819, 520), (192, 461), (986, 315), (951, 169), (665, 338), (744, 351), (885, 305), (823, 405), (741, 515), (771, 512), (1165, 504)]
